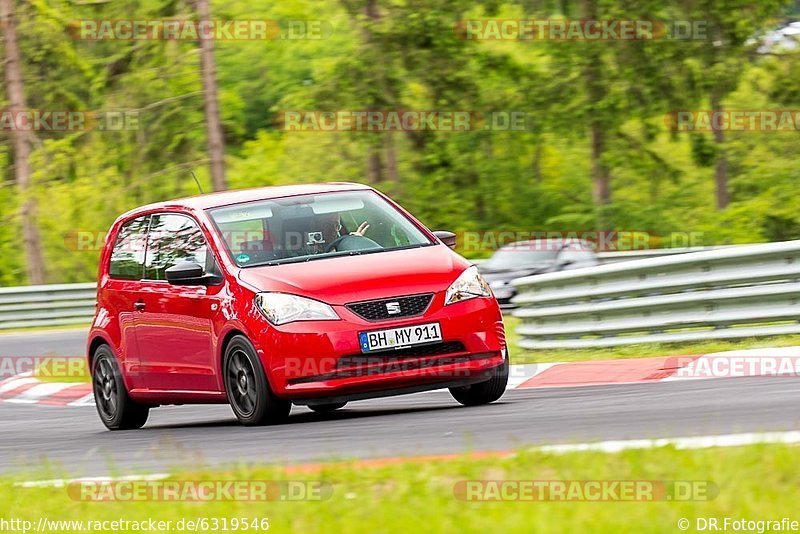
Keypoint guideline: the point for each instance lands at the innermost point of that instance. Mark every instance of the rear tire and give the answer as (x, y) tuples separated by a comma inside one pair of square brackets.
[(327, 408), (116, 409), (246, 385), (484, 392)]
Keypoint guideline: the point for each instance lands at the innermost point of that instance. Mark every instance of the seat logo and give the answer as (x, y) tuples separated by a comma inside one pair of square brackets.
[(392, 308)]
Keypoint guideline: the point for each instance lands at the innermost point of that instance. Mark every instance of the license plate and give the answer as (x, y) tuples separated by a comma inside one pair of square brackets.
[(395, 338)]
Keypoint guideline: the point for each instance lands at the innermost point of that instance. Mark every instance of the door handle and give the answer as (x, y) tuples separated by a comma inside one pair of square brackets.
[(138, 306)]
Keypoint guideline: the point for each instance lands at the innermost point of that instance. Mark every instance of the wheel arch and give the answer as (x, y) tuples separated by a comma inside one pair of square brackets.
[(96, 342), (225, 339)]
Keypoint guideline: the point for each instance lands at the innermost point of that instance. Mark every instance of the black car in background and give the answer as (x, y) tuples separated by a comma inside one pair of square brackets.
[(525, 258)]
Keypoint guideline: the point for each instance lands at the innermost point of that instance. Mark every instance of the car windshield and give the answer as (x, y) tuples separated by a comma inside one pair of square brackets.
[(518, 256), (310, 227)]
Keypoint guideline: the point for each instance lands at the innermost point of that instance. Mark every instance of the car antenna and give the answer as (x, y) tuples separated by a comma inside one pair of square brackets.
[(197, 182)]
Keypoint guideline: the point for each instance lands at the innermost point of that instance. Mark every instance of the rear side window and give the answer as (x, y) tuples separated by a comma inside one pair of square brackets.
[(173, 239), (127, 257)]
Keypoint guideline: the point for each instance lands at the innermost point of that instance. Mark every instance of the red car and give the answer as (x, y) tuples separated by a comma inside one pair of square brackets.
[(264, 298)]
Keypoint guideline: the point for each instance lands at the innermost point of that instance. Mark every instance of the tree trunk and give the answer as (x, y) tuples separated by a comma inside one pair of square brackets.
[(601, 191), (391, 158), (374, 165), (721, 164), (371, 10), (31, 240), (216, 143), (595, 89)]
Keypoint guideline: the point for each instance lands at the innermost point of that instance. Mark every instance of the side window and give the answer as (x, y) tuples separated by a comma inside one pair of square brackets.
[(173, 239), (127, 256)]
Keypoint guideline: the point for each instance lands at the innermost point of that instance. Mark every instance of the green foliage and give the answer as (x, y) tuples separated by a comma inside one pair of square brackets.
[(755, 483), (394, 55)]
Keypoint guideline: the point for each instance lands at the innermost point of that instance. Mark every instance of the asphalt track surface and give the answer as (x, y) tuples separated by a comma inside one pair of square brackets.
[(70, 342), (73, 441)]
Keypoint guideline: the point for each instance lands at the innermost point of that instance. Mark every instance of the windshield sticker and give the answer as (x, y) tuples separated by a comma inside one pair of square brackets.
[(242, 258)]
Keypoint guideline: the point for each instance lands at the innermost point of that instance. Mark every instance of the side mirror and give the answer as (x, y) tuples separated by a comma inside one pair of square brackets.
[(189, 274), (448, 238)]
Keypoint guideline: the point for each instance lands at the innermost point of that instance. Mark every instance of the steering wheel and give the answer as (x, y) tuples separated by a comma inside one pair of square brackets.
[(351, 242)]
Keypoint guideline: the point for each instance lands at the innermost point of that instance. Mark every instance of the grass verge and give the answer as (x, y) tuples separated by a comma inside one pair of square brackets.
[(44, 329), (756, 482)]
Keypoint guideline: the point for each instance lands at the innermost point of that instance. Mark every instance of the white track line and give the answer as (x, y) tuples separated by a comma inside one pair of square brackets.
[(87, 400), (39, 392), (61, 482), (520, 373), (14, 383), (692, 442)]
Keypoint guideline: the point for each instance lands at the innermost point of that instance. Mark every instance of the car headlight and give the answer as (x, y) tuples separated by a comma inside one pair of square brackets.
[(469, 285), (282, 308)]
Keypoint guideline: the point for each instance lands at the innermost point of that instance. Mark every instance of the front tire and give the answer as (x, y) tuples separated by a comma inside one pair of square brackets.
[(484, 392), (115, 407), (249, 394)]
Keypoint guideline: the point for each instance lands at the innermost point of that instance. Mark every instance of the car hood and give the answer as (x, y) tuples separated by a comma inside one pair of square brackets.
[(344, 279)]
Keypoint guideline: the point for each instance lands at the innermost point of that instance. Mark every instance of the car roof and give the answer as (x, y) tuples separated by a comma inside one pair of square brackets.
[(226, 198)]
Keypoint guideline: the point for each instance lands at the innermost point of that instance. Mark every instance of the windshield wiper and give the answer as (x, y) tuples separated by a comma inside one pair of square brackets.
[(303, 259)]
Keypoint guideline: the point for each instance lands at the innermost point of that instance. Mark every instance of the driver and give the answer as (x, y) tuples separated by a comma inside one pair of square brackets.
[(362, 228), (333, 229)]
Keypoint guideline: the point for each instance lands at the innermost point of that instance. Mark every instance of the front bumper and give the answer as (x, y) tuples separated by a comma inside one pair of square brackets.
[(314, 360)]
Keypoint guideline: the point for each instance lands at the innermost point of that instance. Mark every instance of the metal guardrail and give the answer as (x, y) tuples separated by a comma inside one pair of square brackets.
[(613, 304), (725, 293), (46, 305), (630, 255), (62, 304), (615, 256)]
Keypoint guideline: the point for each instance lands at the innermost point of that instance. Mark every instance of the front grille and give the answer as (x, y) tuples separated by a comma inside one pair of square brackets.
[(391, 308), (409, 358)]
